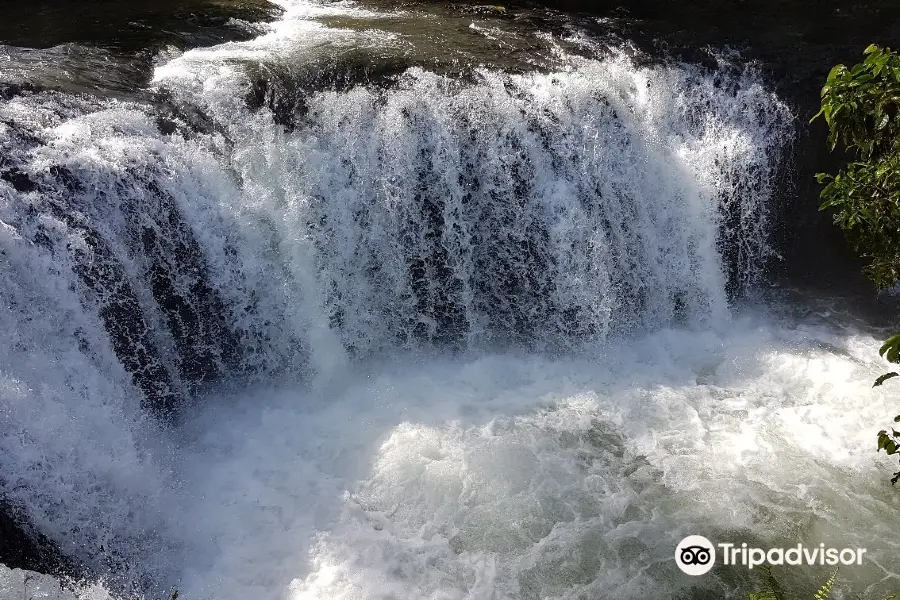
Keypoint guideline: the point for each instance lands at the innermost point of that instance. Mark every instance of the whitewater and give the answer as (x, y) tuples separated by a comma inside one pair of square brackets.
[(499, 335)]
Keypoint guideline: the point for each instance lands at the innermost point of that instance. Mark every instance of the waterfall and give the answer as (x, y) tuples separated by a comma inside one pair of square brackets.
[(544, 210), (246, 229)]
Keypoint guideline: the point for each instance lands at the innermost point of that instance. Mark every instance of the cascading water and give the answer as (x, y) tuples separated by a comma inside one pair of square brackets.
[(438, 337)]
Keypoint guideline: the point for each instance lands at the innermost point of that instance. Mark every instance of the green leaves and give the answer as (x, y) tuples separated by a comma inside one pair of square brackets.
[(771, 588), (885, 377), (891, 349), (863, 100), (888, 443), (825, 590), (861, 106), (864, 199)]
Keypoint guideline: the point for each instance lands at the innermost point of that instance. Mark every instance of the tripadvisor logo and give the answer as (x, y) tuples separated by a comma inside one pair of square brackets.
[(696, 555)]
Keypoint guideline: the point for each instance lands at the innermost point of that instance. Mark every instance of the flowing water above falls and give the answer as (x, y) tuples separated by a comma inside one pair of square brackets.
[(419, 334)]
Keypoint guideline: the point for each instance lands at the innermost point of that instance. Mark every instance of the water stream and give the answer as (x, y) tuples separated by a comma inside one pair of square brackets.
[(493, 332)]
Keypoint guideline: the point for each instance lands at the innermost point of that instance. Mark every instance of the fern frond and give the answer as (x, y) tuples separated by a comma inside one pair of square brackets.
[(825, 590), (771, 589)]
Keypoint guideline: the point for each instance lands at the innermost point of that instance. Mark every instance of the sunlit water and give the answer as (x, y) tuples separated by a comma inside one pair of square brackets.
[(441, 339), (511, 476)]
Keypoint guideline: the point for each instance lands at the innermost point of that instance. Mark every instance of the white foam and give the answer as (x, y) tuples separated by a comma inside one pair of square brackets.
[(509, 476), (577, 214), (16, 583)]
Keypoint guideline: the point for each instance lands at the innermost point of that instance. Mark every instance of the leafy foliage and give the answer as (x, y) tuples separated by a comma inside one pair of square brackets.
[(860, 104), (888, 442), (890, 350), (825, 591), (771, 589), (862, 108), (885, 377), (764, 595)]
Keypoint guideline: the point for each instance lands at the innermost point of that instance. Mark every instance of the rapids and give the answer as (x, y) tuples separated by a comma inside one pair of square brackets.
[(495, 334)]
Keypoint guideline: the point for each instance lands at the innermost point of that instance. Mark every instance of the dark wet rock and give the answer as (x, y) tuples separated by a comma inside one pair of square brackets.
[(174, 270), (22, 547), (284, 90), (19, 180), (186, 119), (9, 90), (62, 45), (117, 305), (177, 276), (139, 25)]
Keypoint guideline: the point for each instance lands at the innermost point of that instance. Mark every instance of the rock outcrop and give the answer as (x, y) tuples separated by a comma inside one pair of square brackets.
[(23, 548)]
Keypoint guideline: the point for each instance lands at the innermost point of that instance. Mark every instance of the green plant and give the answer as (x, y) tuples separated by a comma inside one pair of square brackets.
[(888, 442), (861, 106), (890, 350), (825, 590), (771, 589)]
